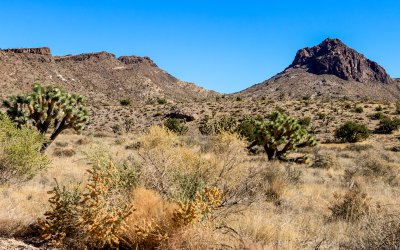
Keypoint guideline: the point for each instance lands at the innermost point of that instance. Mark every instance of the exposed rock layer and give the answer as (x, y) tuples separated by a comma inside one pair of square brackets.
[(332, 56)]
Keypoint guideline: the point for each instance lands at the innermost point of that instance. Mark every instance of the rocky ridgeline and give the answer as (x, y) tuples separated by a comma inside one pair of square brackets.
[(332, 56), (137, 60), (38, 51)]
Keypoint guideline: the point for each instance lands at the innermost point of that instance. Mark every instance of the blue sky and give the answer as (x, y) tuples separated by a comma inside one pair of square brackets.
[(221, 45)]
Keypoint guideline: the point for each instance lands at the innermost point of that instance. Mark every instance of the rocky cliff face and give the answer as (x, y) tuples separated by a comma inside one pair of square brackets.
[(332, 56), (38, 51), (137, 60), (332, 69)]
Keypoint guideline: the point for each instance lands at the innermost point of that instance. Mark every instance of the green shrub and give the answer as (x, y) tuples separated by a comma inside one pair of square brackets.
[(387, 125), (305, 121), (352, 132), (347, 106), (321, 116), (125, 102), (161, 101), (116, 128), (239, 99), (247, 128), (176, 125), (281, 135), (379, 108), (20, 157), (377, 116), (359, 110), (306, 97)]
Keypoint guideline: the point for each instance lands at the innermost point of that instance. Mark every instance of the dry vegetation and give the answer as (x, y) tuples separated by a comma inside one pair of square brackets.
[(207, 191)]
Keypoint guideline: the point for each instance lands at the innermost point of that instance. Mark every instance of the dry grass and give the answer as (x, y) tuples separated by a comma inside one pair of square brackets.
[(269, 205)]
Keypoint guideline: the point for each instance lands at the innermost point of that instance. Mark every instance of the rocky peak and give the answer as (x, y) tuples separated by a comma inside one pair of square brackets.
[(137, 60), (86, 56), (332, 56), (38, 51)]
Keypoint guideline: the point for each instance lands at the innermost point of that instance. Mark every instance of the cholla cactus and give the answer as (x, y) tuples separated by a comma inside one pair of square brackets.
[(281, 135), (48, 107)]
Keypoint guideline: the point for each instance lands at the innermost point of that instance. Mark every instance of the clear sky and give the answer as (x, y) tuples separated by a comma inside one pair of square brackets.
[(220, 45)]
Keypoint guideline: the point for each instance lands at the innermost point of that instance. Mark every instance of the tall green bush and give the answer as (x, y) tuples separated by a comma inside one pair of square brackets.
[(352, 132), (20, 157)]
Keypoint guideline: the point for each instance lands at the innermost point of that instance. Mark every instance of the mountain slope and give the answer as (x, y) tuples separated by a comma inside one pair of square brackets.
[(329, 69), (101, 77)]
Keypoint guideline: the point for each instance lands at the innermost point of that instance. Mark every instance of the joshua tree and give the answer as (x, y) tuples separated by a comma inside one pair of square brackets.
[(281, 135), (48, 108)]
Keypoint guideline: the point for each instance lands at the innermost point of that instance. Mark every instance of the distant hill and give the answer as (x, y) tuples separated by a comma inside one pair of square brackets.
[(332, 69), (102, 77)]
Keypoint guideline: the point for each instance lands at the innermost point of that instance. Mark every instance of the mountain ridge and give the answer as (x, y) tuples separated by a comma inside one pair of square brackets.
[(330, 68)]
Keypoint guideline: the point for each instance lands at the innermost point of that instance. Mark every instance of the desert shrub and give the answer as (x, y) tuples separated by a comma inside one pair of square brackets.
[(223, 123), (380, 230), (377, 116), (64, 152), (281, 135), (387, 125), (321, 116), (90, 216), (352, 132), (347, 106), (176, 125), (359, 110), (125, 102), (239, 99), (150, 224), (48, 108), (379, 108), (305, 121), (20, 157), (116, 128), (350, 206), (161, 101), (324, 161), (246, 128), (397, 111), (306, 97)]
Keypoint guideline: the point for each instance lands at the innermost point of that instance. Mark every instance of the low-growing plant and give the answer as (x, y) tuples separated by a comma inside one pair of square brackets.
[(89, 216), (351, 206), (387, 125), (377, 116), (125, 102), (305, 121), (359, 110), (352, 132), (161, 101), (176, 125)]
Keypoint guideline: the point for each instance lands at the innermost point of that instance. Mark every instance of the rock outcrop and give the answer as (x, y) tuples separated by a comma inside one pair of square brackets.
[(38, 51), (332, 56), (331, 69), (137, 60)]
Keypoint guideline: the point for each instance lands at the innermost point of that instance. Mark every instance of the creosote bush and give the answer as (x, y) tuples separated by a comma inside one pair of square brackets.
[(352, 132), (387, 125), (20, 157), (176, 125), (48, 108)]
